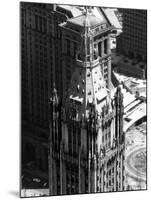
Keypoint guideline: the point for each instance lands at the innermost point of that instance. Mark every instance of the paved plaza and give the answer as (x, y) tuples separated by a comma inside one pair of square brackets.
[(136, 157)]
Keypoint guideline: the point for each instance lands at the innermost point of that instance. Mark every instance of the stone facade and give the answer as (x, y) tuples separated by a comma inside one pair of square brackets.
[(86, 131)]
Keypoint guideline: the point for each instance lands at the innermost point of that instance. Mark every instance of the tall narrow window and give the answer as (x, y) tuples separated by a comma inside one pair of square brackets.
[(105, 46), (99, 49)]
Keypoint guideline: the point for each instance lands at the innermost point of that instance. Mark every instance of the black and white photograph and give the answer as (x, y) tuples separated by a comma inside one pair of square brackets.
[(83, 99)]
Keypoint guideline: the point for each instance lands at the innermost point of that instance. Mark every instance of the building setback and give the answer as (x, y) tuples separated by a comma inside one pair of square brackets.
[(62, 50), (86, 128)]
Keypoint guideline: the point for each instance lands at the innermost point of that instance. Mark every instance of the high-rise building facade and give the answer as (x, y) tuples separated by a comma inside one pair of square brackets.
[(133, 41), (86, 127), (40, 67), (64, 48)]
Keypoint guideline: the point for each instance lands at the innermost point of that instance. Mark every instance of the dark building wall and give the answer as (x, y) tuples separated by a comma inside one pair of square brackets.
[(36, 63), (38, 58), (133, 41)]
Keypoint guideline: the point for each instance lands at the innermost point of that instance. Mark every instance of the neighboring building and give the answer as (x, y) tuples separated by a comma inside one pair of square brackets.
[(51, 52), (133, 41), (40, 45), (86, 127)]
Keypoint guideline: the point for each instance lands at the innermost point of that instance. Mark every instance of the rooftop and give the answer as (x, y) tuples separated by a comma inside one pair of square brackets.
[(93, 15), (92, 19)]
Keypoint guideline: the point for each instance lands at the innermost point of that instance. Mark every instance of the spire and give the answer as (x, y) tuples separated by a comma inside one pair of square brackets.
[(87, 53), (86, 22)]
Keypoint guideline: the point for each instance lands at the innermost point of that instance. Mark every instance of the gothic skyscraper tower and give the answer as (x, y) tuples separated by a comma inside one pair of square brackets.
[(86, 127)]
